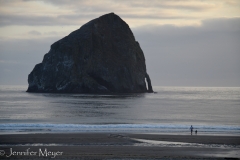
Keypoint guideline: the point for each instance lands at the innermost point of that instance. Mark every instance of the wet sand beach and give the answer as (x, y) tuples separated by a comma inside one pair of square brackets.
[(118, 146)]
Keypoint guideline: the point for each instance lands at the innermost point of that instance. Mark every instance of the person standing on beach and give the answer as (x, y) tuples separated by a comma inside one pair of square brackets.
[(191, 128)]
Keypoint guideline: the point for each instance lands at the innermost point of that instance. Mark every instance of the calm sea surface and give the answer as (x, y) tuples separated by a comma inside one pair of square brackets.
[(170, 110)]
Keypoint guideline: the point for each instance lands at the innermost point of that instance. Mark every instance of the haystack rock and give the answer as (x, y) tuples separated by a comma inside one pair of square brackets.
[(100, 57)]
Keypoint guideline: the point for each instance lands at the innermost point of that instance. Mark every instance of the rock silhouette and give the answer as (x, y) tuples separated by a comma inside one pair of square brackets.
[(100, 57)]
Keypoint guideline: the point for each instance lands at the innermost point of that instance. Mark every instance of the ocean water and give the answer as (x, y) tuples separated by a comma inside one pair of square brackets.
[(171, 110)]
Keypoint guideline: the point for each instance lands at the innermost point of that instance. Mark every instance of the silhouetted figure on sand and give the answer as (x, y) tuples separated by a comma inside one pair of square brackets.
[(196, 132), (191, 128)]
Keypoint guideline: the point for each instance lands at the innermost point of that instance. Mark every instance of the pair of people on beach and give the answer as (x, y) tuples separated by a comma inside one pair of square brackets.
[(191, 128)]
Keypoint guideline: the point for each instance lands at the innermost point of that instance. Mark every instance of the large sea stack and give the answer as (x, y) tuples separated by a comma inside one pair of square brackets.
[(100, 57)]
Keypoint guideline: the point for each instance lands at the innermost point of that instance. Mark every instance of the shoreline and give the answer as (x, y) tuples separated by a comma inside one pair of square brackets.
[(148, 128), (143, 133), (214, 134), (121, 146)]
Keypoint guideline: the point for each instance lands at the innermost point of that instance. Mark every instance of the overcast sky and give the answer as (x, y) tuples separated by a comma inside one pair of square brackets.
[(185, 42)]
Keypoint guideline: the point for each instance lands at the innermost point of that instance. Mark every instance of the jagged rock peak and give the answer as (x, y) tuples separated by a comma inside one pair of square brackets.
[(102, 56)]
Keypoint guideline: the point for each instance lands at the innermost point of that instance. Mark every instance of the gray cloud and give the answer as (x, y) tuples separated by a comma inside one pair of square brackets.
[(70, 19), (82, 11), (193, 56), (222, 24), (170, 4), (36, 33), (151, 16), (30, 20), (159, 4)]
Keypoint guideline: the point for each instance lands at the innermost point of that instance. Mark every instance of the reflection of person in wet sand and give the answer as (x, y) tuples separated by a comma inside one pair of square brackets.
[(191, 128)]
